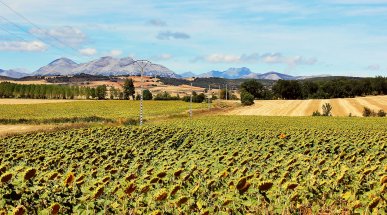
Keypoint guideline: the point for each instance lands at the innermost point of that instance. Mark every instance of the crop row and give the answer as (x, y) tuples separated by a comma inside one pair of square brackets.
[(195, 169)]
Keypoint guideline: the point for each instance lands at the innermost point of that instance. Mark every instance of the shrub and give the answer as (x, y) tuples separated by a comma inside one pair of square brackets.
[(316, 113), (327, 109), (247, 98), (196, 98), (165, 96), (367, 112), (381, 113)]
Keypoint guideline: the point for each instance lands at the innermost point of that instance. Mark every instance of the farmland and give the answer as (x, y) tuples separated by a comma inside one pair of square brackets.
[(341, 106), (90, 110), (30, 101), (211, 165)]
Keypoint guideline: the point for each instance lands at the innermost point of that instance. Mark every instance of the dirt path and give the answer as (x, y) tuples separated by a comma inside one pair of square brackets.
[(341, 107)]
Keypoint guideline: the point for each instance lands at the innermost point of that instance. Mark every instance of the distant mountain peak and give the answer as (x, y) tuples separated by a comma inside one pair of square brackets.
[(14, 73), (187, 74), (63, 60), (231, 73), (103, 66), (246, 73)]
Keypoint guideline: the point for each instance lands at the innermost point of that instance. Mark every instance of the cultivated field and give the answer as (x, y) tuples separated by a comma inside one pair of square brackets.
[(31, 101), (341, 107), (110, 110), (211, 165)]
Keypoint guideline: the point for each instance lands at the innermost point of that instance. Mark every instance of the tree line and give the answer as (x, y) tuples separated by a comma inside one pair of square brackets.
[(309, 89), (50, 91)]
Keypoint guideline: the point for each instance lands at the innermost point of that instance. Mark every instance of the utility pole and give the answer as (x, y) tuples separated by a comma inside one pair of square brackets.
[(226, 92), (219, 91), (142, 64), (208, 98), (190, 104)]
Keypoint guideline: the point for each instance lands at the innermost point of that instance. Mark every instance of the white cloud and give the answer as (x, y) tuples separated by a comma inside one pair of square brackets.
[(164, 56), (167, 35), (268, 58), (278, 58), (115, 53), (88, 51), (33, 46), (68, 35), (222, 58)]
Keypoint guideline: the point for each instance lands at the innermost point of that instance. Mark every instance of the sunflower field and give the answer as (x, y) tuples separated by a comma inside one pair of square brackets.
[(210, 165)]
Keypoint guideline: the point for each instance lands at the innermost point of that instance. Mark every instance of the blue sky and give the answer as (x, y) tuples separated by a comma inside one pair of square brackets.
[(336, 37)]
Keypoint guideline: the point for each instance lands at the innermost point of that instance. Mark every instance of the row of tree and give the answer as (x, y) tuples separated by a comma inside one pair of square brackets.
[(336, 88), (51, 91), (43, 91), (319, 89), (54, 91)]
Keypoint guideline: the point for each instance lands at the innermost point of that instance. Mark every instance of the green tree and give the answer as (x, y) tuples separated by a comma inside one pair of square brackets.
[(93, 93), (147, 95), (287, 89), (129, 89), (309, 89), (246, 98), (254, 88), (101, 92)]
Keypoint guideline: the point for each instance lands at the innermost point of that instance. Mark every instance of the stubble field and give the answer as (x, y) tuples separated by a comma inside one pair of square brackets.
[(341, 106)]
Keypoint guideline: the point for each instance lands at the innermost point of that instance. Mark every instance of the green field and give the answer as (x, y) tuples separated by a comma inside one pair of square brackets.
[(211, 165), (105, 110)]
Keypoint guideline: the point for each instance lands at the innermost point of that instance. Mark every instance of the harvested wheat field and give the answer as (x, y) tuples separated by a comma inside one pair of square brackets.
[(30, 101), (26, 82), (341, 107), (23, 128)]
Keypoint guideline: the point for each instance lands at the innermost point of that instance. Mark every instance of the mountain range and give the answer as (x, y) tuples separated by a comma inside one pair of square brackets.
[(110, 66), (104, 66), (14, 73), (246, 73)]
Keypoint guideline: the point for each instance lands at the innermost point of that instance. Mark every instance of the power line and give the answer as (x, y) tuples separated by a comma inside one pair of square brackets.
[(36, 26), (22, 29), (15, 35), (59, 51), (21, 38), (41, 30)]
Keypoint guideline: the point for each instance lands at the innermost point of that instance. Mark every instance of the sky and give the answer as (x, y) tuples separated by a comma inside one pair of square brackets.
[(326, 37)]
